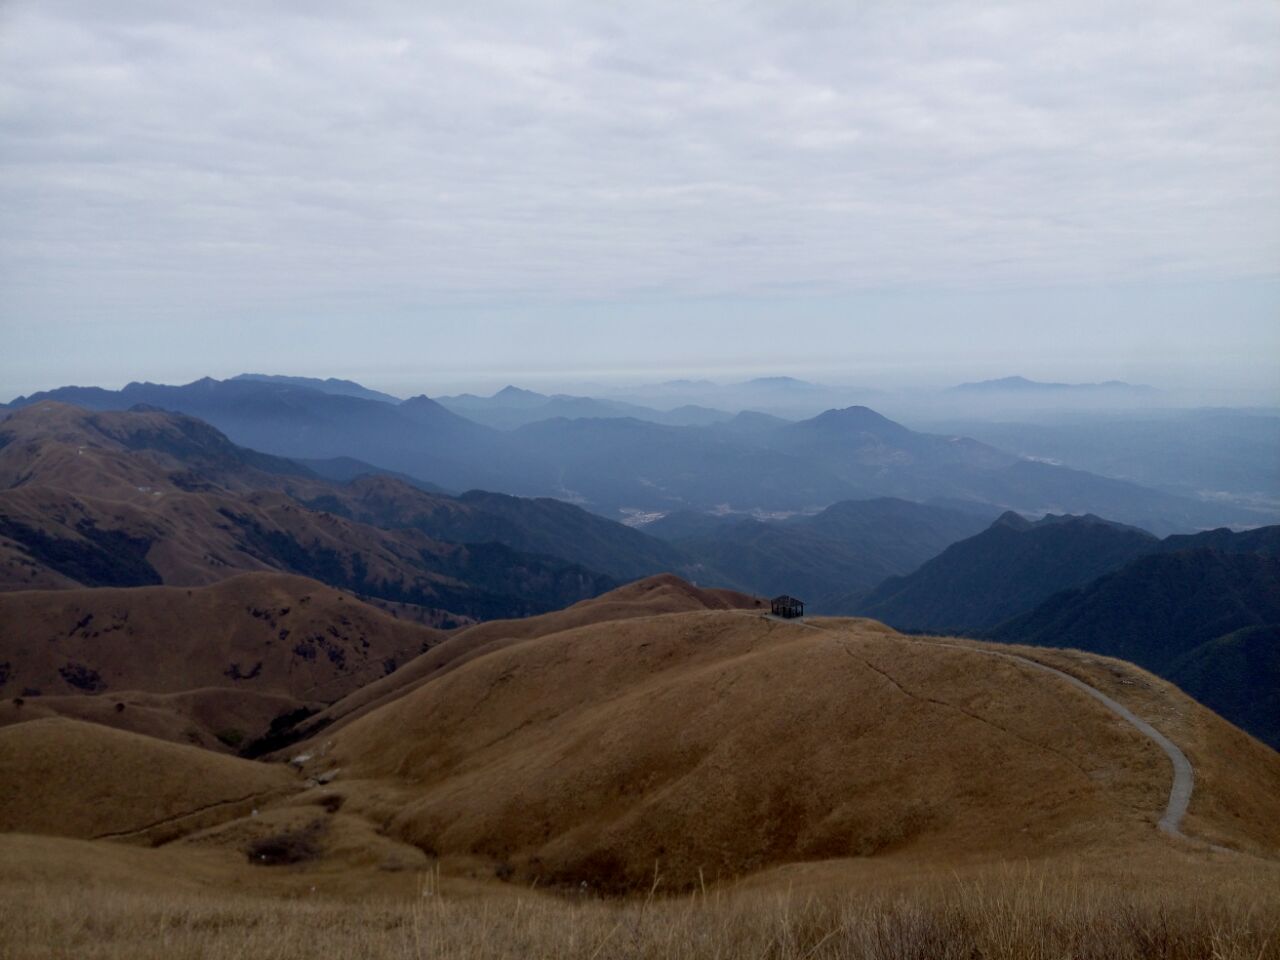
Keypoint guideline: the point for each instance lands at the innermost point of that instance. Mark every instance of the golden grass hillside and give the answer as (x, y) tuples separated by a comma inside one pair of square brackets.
[(649, 597), (751, 788), (717, 744), (72, 779)]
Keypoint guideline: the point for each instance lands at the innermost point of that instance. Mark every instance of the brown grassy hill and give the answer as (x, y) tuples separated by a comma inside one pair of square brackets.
[(131, 456), (649, 597), (722, 743), (58, 776), (189, 664)]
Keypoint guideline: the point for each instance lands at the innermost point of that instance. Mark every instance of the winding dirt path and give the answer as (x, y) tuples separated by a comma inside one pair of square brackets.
[(1183, 773)]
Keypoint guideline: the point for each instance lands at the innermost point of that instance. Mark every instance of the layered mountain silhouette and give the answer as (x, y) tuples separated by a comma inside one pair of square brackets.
[(151, 497), (1231, 455), (513, 407), (830, 558), (613, 464), (1018, 384), (1005, 570), (344, 388)]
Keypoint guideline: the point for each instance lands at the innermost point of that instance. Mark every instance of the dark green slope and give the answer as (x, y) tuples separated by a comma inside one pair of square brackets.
[(1006, 570), (537, 526), (1238, 675), (1202, 617), (828, 559)]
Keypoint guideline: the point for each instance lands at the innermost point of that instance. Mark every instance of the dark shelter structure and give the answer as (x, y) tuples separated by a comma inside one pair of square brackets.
[(787, 607)]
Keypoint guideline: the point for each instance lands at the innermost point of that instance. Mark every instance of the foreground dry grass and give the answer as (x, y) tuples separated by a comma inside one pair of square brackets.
[(1023, 913)]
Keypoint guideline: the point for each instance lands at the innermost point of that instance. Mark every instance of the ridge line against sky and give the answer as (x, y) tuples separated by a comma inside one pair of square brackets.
[(410, 195)]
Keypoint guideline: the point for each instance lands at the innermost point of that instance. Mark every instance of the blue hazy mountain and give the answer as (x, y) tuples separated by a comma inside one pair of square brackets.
[(617, 465), (343, 388)]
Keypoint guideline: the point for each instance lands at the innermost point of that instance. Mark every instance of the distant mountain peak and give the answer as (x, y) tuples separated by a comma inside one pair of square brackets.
[(422, 402), (1013, 520), (511, 393), (782, 383), (1023, 384), (855, 418)]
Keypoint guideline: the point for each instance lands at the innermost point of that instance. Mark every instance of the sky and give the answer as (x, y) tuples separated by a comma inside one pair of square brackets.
[(431, 197)]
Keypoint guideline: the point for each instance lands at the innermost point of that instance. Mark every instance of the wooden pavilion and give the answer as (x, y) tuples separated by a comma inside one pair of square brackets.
[(786, 607)]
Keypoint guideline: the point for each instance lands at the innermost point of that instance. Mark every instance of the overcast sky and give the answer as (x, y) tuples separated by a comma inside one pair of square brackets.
[(427, 199)]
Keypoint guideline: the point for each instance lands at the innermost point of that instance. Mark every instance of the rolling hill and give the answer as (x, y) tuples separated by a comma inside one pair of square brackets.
[(722, 743), (663, 762), (649, 597), (664, 723), (72, 779)]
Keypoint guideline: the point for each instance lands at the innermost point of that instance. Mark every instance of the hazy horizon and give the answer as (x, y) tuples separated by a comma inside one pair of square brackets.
[(432, 201)]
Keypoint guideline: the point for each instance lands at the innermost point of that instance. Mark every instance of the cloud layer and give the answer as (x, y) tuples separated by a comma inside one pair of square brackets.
[(185, 160)]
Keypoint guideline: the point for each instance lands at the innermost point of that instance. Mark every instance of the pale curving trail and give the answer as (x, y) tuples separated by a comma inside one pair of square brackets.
[(1183, 773)]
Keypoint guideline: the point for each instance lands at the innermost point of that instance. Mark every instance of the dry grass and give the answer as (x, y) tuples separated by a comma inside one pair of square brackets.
[(1023, 913), (722, 744)]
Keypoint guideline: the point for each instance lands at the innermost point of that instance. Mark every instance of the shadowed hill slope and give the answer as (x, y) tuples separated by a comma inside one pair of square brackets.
[(193, 664), (1238, 675), (829, 558), (537, 526), (141, 498), (1003, 571)]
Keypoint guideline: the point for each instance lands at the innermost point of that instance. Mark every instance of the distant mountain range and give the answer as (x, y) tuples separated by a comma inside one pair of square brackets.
[(146, 496), (513, 407), (619, 464), (342, 388), (1023, 385), (1232, 456)]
